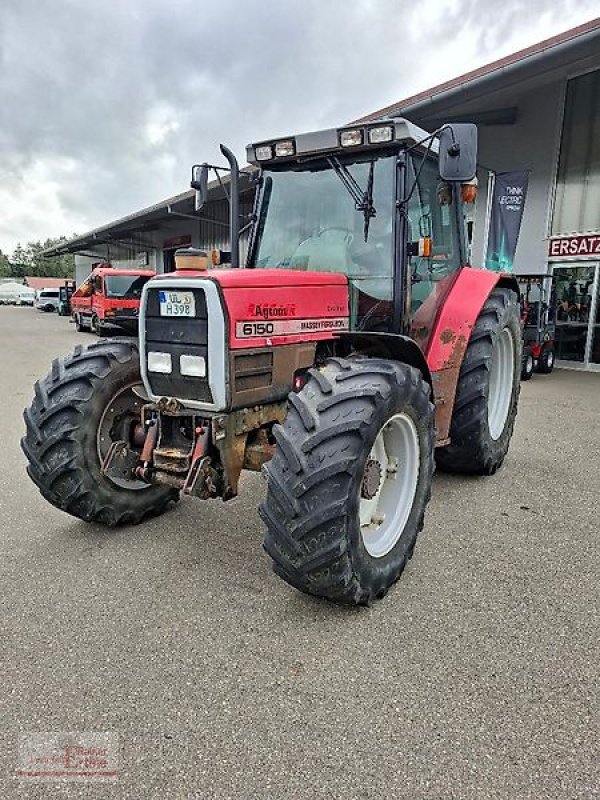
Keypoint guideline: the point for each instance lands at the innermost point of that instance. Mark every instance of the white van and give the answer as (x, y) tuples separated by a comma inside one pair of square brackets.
[(26, 297), (47, 300)]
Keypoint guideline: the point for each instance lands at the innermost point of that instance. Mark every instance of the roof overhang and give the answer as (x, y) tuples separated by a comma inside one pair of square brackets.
[(477, 95), (129, 231)]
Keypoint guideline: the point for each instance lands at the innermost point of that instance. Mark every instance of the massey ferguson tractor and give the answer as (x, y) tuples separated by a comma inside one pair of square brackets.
[(355, 350)]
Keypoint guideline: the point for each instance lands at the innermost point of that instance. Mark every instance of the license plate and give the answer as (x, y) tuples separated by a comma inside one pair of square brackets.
[(177, 304)]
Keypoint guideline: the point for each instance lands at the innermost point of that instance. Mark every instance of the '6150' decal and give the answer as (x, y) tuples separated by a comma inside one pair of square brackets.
[(287, 327)]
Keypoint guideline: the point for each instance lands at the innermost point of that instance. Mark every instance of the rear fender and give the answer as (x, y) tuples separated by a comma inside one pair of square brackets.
[(451, 333)]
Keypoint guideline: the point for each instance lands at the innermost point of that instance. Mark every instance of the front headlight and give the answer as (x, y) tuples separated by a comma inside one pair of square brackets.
[(193, 366), (160, 362)]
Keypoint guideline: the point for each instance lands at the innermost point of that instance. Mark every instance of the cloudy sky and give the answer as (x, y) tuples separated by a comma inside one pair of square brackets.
[(105, 104)]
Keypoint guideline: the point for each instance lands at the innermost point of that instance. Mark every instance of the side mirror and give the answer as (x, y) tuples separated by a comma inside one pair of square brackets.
[(458, 152), (200, 184)]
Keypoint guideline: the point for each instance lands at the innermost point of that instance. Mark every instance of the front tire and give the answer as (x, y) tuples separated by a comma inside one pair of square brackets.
[(97, 326), (350, 479), (83, 404), (485, 405), (528, 365)]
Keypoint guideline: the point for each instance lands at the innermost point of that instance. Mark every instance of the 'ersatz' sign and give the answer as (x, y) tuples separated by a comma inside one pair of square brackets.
[(507, 205), (574, 246)]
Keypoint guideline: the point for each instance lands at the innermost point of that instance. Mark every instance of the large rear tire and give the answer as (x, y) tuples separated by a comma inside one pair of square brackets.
[(83, 404), (350, 479), (488, 388)]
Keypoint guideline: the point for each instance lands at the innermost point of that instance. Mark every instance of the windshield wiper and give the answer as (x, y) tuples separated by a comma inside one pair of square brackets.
[(363, 200)]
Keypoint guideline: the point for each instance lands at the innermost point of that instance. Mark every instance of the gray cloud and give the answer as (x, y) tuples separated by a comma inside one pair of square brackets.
[(106, 104)]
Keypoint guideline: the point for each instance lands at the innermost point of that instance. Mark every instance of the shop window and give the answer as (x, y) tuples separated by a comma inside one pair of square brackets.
[(577, 203)]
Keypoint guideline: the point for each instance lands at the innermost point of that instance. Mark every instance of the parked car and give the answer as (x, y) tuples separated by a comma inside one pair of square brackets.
[(26, 297), (109, 297), (9, 293), (47, 300)]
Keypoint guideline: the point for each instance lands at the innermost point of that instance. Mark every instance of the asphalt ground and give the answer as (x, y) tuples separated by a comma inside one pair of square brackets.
[(476, 677)]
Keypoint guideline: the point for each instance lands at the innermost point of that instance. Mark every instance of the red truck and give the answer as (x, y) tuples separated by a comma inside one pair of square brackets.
[(109, 297)]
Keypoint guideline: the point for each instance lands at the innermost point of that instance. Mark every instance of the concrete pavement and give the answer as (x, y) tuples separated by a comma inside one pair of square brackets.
[(476, 677)]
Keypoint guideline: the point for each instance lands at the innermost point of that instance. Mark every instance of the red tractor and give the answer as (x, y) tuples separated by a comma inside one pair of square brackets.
[(539, 325), (354, 351)]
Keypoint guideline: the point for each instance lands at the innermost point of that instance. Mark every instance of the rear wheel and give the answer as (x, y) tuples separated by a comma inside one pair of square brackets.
[(528, 364), (546, 361), (350, 479), (80, 408), (486, 399)]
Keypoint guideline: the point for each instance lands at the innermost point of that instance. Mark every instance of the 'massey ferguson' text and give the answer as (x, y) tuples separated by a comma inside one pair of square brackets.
[(248, 329)]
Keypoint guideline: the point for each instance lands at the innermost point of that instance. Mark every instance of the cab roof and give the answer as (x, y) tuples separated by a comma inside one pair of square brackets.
[(328, 141)]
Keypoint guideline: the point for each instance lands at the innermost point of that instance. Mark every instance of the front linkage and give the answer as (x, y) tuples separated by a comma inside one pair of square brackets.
[(195, 454)]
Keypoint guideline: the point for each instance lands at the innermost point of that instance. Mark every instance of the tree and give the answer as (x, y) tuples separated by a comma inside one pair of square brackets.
[(4, 266), (29, 260), (19, 262)]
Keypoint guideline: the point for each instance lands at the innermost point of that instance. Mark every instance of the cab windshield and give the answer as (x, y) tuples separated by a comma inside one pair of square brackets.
[(309, 220), (127, 287)]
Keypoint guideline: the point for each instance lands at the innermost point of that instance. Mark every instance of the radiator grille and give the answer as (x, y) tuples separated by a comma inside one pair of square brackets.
[(178, 336)]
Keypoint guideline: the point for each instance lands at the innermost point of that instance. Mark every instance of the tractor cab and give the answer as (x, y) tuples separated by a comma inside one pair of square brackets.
[(367, 202)]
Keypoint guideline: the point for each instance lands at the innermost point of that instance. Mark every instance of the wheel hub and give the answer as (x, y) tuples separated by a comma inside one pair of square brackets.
[(371, 479)]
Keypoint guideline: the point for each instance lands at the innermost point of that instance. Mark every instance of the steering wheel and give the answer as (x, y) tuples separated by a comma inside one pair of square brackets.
[(349, 233)]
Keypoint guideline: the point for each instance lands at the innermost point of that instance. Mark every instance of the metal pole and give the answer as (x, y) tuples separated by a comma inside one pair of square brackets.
[(234, 205)]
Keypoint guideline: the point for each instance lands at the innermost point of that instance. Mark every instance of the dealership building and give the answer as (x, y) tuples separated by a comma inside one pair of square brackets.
[(538, 114)]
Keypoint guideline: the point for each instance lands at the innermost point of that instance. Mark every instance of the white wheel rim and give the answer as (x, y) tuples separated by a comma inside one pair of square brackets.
[(501, 383), (530, 363), (396, 454), (550, 358)]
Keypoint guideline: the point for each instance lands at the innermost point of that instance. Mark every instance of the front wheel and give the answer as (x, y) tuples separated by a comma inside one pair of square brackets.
[(97, 326), (85, 403), (350, 479), (485, 405), (527, 365)]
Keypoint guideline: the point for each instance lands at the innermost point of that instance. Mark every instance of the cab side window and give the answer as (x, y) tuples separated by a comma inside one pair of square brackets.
[(431, 214)]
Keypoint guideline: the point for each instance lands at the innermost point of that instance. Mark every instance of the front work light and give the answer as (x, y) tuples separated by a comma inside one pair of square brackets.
[(285, 148), (160, 362), (264, 152), (379, 135), (193, 366), (351, 138)]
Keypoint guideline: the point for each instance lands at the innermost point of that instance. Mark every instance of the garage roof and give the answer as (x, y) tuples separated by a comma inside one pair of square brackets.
[(147, 219), (541, 63)]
